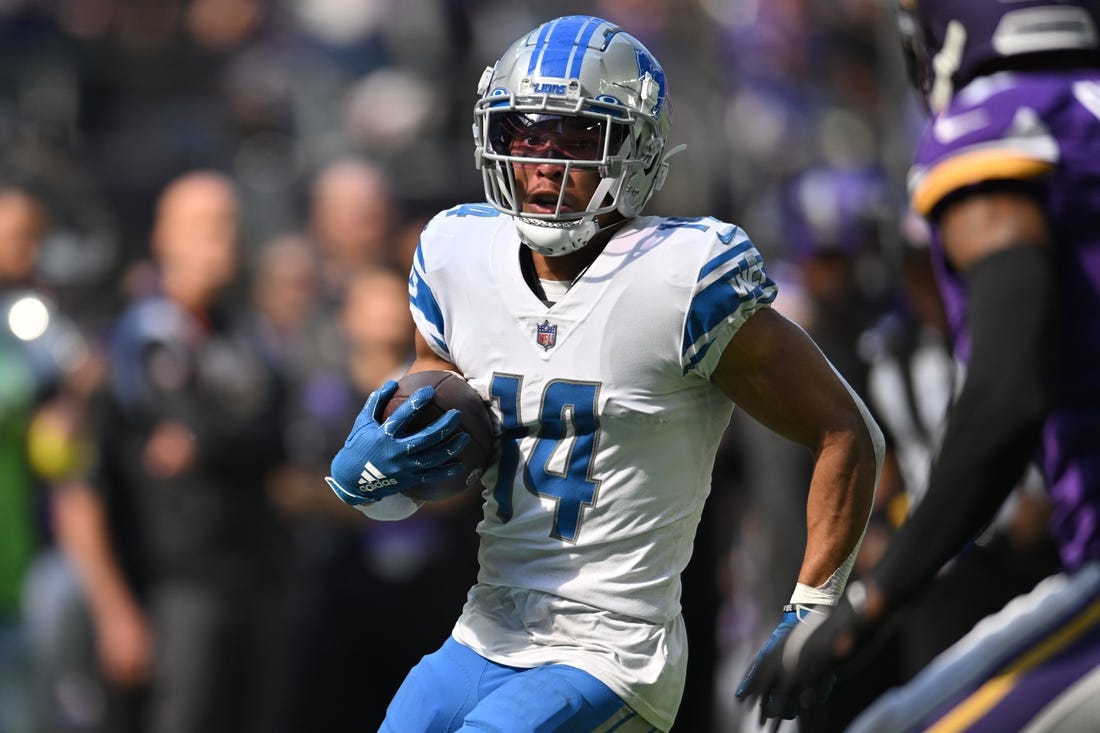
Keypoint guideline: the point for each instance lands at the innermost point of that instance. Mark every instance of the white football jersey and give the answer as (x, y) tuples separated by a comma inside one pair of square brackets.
[(610, 423)]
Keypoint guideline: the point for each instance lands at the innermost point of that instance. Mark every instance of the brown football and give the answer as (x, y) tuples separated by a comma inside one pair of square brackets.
[(451, 392)]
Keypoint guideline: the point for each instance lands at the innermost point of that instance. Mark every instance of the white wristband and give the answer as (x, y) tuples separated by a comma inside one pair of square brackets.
[(832, 589), (390, 509), (821, 596)]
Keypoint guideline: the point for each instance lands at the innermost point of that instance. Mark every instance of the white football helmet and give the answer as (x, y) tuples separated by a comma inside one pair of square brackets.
[(579, 76)]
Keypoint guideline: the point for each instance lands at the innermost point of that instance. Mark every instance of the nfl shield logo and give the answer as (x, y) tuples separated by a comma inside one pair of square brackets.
[(547, 335)]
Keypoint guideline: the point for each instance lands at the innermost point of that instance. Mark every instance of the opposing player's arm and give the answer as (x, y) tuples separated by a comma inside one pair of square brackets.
[(1001, 243), (980, 225), (776, 373)]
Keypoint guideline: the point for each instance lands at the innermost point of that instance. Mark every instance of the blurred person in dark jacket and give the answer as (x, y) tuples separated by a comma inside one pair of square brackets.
[(178, 548)]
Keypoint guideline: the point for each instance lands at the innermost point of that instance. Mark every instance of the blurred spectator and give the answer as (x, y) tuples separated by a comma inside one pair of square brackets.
[(306, 348), (178, 548), (352, 220), (348, 578), (301, 283), (21, 225), (912, 374), (284, 291), (40, 351), (831, 284), (378, 327), (834, 221)]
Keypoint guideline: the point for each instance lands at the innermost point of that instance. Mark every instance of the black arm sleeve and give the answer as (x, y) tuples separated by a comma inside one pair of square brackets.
[(994, 426)]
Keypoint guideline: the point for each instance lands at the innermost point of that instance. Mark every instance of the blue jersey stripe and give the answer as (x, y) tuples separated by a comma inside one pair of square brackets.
[(713, 305), (696, 358), (735, 251), (422, 299), (419, 256)]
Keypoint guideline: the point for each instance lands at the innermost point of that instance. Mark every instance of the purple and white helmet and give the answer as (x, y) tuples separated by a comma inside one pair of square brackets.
[(575, 70), (949, 42)]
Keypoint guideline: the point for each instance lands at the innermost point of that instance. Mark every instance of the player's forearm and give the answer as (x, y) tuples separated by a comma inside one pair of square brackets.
[(986, 450), (995, 425), (841, 494), (967, 487)]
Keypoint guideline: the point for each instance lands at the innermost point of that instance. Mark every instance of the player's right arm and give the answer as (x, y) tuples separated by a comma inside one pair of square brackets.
[(377, 461), (427, 360)]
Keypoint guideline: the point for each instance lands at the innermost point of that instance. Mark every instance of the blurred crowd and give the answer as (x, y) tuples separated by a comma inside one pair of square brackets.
[(208, 210)]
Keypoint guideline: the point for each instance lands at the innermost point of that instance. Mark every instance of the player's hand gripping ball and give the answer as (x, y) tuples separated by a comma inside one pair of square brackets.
[(451, 392)]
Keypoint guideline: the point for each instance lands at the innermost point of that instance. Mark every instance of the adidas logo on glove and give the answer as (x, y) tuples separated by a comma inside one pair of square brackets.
[(371, 479)]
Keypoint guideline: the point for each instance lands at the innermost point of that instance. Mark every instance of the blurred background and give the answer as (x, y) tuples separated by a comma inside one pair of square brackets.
[(207, 214)]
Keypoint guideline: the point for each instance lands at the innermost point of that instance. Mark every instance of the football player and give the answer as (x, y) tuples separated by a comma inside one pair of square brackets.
[(612, 347), (1008, 175)]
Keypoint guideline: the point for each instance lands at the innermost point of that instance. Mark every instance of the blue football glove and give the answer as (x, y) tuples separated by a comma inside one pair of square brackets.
[(771, 706), (804, 675), (378, 460)]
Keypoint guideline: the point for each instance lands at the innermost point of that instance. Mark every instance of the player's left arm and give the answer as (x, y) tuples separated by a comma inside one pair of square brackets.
[(775, 372)]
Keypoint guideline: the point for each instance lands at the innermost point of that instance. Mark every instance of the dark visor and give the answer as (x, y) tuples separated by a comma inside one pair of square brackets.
[(532, 135)]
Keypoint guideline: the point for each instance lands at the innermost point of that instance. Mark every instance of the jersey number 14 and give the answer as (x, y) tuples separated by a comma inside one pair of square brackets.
[(560, 462)]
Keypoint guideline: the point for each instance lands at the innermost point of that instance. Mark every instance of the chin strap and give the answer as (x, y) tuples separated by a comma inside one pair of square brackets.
[(553, 239)]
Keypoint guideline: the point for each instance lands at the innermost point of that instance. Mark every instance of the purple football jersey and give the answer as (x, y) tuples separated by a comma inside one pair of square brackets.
[(1043, 129)]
